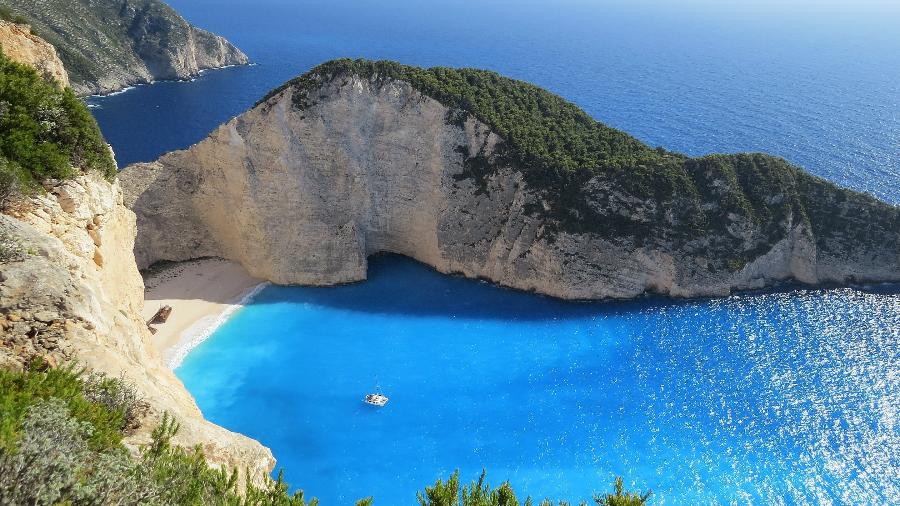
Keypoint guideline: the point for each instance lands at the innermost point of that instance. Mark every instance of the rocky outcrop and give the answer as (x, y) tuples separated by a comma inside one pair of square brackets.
[(303, 195), (112, 44), (73, 293), (20, 45)]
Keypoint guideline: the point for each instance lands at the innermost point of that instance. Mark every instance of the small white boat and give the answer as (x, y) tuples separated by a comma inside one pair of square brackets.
[(376, 400)]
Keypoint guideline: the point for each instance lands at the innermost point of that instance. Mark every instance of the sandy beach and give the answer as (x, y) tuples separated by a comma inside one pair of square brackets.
[(202, 293)]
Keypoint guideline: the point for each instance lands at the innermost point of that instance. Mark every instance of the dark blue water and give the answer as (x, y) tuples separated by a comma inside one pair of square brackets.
[(783, 398), (817, 84), (788, 398)]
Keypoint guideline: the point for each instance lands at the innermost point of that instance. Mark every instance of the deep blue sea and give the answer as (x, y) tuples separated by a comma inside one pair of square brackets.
[(790, 397)]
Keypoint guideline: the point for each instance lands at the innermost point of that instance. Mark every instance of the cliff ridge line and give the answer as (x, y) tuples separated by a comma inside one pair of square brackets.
[(342, 164)]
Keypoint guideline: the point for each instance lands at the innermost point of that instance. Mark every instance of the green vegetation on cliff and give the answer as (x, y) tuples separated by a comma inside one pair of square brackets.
[(61, 434), (7, 15), (45, 132), (544, 132), (589, 177)]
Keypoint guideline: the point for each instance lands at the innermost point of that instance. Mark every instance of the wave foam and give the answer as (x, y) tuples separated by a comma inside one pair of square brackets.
[(203, 328)]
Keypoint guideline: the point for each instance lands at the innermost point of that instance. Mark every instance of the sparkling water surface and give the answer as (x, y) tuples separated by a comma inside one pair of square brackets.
[(789, 397), (782, 398)]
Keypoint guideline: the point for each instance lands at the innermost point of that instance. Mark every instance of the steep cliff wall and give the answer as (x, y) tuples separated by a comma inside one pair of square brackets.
[(108, 45), (20, 45), (74, 293), (334, 168)]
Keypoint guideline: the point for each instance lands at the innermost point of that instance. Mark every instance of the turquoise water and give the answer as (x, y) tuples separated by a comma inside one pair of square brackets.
[(789, 397)]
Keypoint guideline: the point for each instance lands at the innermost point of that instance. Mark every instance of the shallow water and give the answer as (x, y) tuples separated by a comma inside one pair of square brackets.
[(782, 398)]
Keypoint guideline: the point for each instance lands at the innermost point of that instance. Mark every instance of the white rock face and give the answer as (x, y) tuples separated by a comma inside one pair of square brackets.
[(77, 295), (20, 45), (304, 197)]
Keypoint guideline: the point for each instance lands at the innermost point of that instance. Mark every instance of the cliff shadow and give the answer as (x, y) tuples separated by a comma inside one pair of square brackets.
[(400, 285)]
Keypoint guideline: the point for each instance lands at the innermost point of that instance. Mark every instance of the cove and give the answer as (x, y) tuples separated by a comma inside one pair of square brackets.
[(787, 397)]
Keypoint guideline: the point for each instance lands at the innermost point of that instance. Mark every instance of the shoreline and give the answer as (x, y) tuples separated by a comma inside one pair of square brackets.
[(203, 294), (200, 331), (191, 79)]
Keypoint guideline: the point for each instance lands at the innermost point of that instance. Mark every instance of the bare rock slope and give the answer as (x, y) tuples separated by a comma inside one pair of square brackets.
[(357, 158), (108, 45), (73, 293), (21, 46)]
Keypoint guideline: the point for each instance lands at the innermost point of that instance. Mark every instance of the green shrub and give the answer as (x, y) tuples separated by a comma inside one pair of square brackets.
[(60, 443), (46, 132), (53, 463), (20, 391), (11, 179), (116, 395), (184, 477), (480, 493), (622, 498), (6, 14)]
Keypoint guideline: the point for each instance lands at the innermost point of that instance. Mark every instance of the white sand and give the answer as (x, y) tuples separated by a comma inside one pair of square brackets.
[(203, 294)]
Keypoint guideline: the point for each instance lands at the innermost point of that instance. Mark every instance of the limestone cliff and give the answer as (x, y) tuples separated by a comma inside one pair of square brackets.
[(73, 292), (20, 45), (108, 45), (341, 164)]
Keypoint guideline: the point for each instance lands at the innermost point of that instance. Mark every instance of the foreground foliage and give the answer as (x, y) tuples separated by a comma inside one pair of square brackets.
[(61, 443), (76, 392), (480, 493), (45, 132)]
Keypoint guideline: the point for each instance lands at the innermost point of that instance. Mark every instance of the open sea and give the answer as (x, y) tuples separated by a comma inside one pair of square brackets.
[(790, 397)]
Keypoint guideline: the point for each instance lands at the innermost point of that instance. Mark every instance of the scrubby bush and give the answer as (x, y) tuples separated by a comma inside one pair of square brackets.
[(116, 395), (45, 132), (44, 468), (182, 476), (60, 443), (6, 14), (622, 498), (11, 178), (53, 464), (480, 493), (20, 391)]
